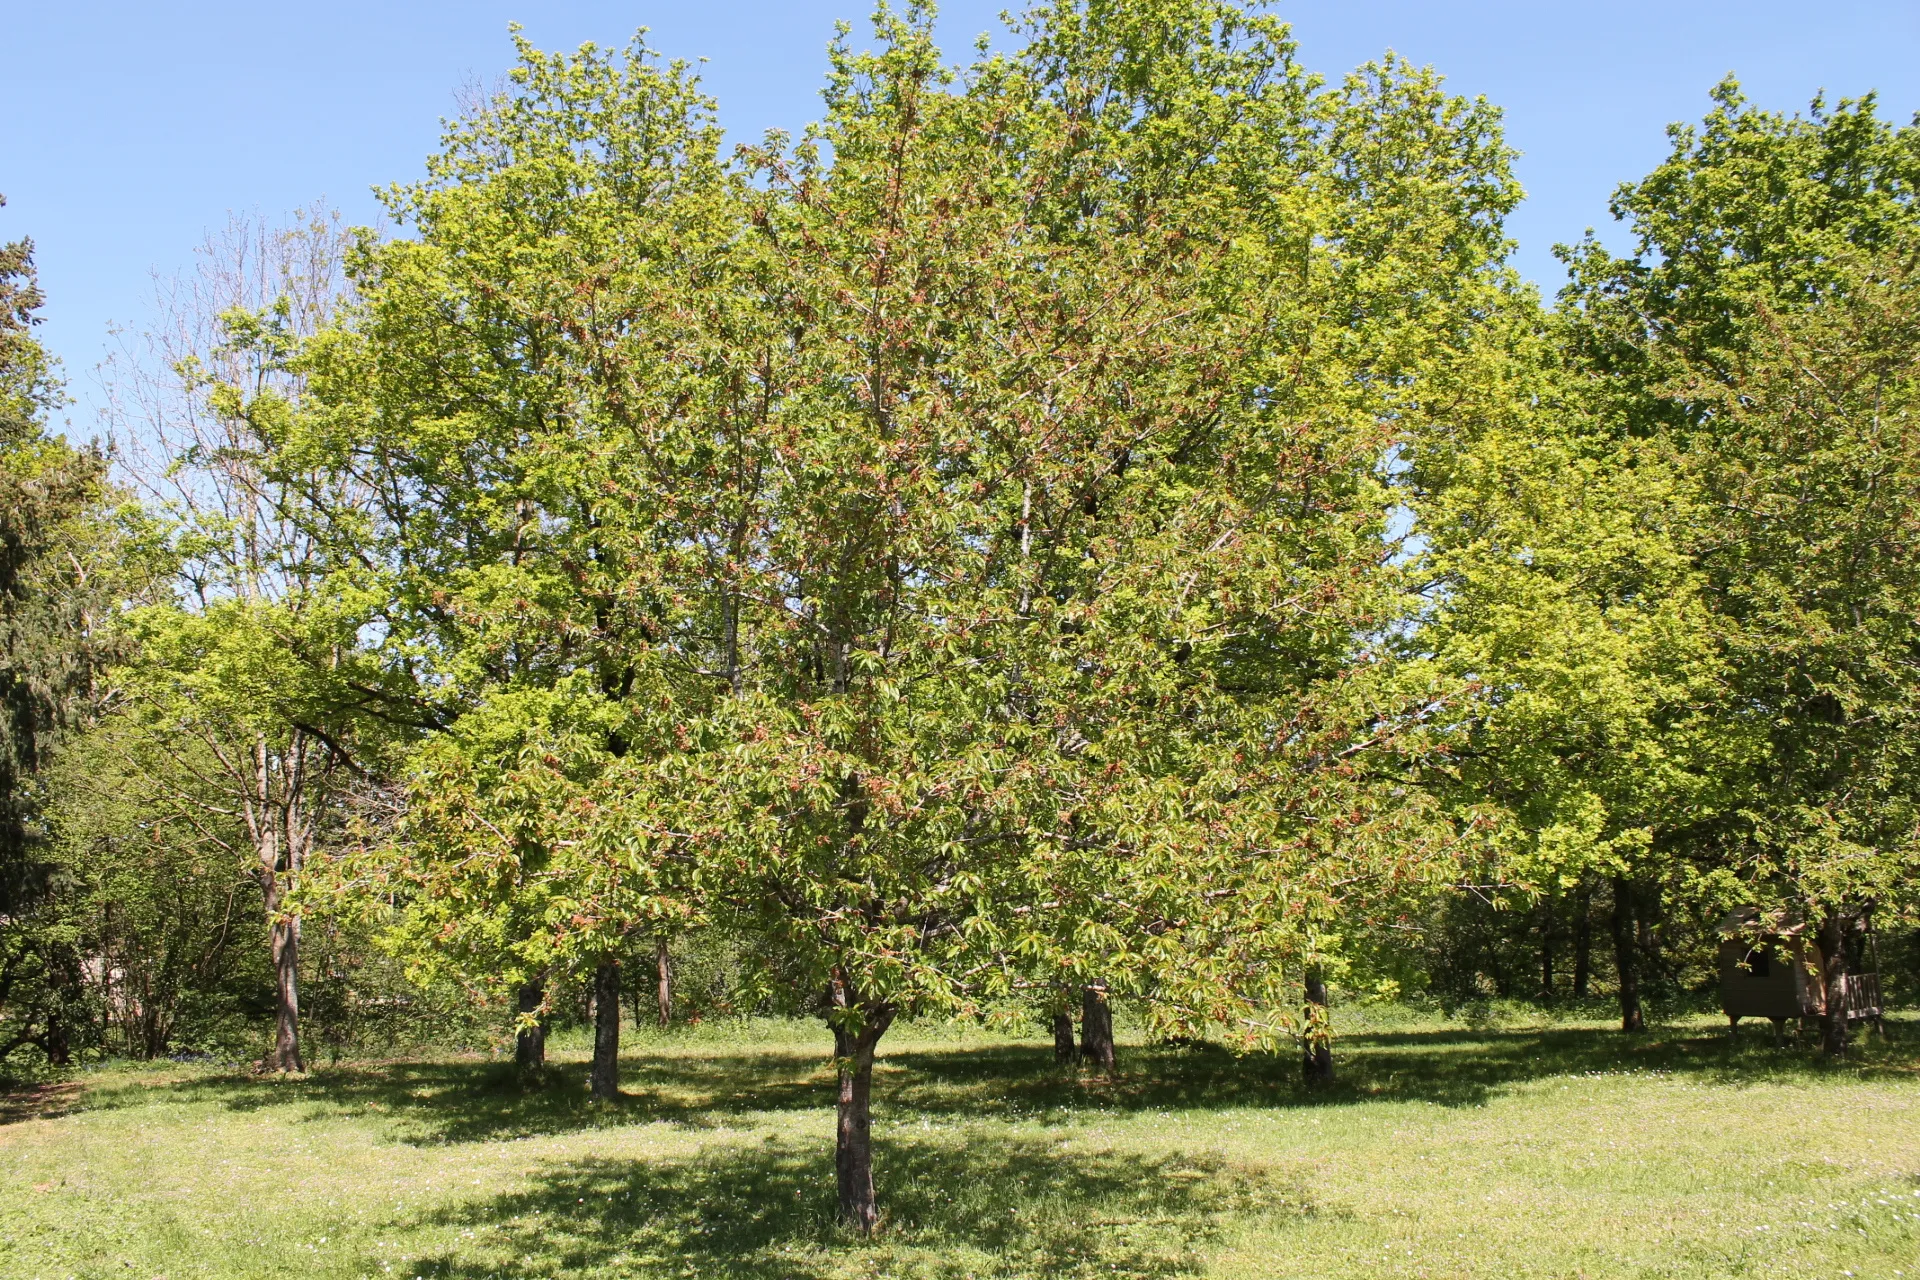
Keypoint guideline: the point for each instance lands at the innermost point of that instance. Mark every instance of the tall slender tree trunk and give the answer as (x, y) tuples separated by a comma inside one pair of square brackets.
[(1096, 1027), (530, 1041), (1497, 970), (1063, 1046), (1582, 940), (1832, 938), (278, 826), (663, 972), (57, 1044), (853, 1140), (1646, 914), (1626, 962), (283, 941), (1316, 1065), (606, 1031), (1548, 918), (286, 995), (58, 1041)]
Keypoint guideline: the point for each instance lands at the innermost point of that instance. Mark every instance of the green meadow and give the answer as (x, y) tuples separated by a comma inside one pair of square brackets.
[(1442, 1150)]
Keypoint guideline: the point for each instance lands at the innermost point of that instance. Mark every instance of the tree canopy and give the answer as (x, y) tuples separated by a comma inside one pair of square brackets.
[(1103, 519)]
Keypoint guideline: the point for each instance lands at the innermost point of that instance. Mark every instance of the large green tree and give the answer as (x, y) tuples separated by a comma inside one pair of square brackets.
[(1760, 345), (59, 579), (1564, 591), (249, 679), (522, 549), (950, 552)]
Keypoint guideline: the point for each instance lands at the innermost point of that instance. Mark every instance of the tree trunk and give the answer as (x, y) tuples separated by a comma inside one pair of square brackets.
[(278, 827), (1547, 920), (1063, 1047), (57, 1044), (286, 992), (283, 939), (1646, 915), (1096, 1027), (530, 1042), (1624, 959), (1833, 959), (853, 1143), (663, 968), (1317, 1047), (606, 1031), (63, 975), (1582, 941)]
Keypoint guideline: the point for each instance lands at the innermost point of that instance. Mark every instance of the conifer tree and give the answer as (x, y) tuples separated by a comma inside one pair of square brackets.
[(57, 582)]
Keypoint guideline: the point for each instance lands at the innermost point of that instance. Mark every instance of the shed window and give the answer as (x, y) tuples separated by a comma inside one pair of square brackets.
[(1757, 962)]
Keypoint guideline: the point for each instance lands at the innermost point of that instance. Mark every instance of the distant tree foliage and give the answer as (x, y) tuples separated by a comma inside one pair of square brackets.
[(1765, 342), (1096, 537), (59, 585)]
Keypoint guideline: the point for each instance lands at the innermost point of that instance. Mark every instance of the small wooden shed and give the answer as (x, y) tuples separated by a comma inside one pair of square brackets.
[(1781, 974)]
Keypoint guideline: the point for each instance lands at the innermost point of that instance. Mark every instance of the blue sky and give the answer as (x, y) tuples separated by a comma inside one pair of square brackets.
[(130, 129)]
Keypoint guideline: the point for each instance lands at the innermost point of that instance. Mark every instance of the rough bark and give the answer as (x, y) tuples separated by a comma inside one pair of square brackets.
[(1096, 1027), (1582, 941), (286, 993), (606, 1031), (530, 1041), (1063, 1046), (1833, 958), (1626, 962), (283, 942), (1316, 1064), (853, 1142), (277, 824), (663, 970)]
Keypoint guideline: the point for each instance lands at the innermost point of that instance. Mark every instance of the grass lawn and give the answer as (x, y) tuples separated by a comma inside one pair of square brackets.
[(1443, 1151)]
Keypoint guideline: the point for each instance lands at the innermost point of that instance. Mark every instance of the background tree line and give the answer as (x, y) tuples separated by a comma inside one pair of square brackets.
[(1102, 524)]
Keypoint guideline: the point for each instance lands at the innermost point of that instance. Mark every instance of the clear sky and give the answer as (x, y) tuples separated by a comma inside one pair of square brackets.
[(131, 128)]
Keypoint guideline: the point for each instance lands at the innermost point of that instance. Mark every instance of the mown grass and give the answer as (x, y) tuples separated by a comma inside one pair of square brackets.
[(1443, 1151)]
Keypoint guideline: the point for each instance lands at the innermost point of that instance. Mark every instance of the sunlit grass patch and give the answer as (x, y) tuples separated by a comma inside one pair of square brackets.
[(1440, 1151)]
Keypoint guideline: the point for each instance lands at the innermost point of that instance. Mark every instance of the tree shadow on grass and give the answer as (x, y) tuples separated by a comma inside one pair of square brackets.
[(451, 1101), (1452, 1067), (959, 1204), (454, 1100), (38, 1100)]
